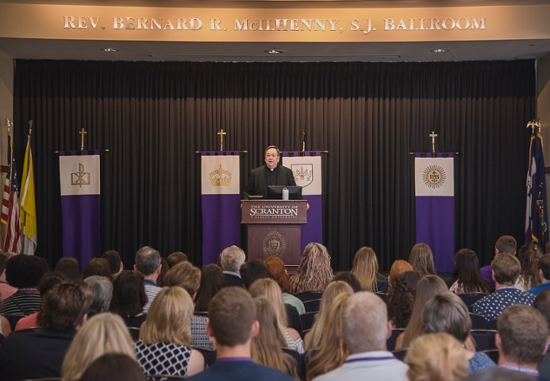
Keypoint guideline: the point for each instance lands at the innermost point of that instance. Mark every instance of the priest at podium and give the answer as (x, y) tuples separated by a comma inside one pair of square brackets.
[(269, 174)]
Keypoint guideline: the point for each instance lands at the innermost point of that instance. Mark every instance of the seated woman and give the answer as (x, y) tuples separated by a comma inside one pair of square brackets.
[(314, 271), (331, 351), (269, 289), (113, 367), (212, 280), (313, 337), (129, 298), (400, 299), (426, 289), (70, 268), (436, 356), (421, 259), (365, 268), (103, 333), (466, 274), (266, 346), (447, 313), (165, 347), (529, 256), (277, 272)]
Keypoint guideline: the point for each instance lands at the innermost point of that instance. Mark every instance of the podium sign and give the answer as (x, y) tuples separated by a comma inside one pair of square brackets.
[(274, 228)]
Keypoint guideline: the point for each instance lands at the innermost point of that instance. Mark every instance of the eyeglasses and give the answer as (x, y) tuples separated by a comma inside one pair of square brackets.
[(271, 155)]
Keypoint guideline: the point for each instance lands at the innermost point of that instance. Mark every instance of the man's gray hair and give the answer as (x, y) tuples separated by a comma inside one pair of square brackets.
[(147, 260), (102, 291), (232, 258), (364, 322)]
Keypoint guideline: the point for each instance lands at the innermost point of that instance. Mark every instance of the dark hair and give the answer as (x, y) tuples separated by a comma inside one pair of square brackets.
[(163, 270), (49, 280), (466, 271), (253, 270), (349, 278), (212, 281), (69, 267), (97, 266), (175, 258), (129, 296), (529, 256), (147, 260), (506, 244), (113, 367), (542, 304), (24, 271), (113, 257), (544, 265), (400, 299), (64, 306)]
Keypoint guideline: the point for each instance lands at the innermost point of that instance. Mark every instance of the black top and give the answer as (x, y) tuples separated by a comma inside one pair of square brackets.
[(258, 181)]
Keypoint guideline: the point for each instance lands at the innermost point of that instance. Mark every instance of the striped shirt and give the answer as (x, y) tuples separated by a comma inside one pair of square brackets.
[(151, 290), (21, 304)]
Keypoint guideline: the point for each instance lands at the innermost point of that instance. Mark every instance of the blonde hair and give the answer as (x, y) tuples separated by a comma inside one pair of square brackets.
[(332, 291), (437, 357), (269, 289), (169, 318), (314, 271), (332, 351), (422, 259), (104, 333), (266, 347), (365, 267)]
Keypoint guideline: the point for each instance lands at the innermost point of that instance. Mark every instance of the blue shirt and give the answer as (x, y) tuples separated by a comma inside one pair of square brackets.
[(540, 288)]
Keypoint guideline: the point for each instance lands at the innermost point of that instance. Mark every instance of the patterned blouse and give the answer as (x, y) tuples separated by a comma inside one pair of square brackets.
[(492, 306), (163, 358)]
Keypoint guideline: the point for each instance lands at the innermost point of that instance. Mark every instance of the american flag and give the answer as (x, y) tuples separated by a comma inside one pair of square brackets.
[(10, 205)]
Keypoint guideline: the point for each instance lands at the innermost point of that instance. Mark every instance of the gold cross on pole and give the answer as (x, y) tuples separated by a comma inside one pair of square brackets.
[(221, 133), (82, 133), (433, 135)]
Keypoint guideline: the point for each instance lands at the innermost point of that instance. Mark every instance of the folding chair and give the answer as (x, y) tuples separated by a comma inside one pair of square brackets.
[(485, 339), (309, 295)]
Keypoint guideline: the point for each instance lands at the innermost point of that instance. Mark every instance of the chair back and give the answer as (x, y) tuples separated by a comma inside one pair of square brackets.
[(485, 339), (382, 295), (164, 377), (13, 319), (493, 354), (471, 297), (309, 295), (390, 343), (400, 354), (312, 305), (307, 320), (299, 359), (478, 321), (134, 332)]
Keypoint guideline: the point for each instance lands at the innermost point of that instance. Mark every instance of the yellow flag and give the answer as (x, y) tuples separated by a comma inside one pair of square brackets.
[(28, 204)]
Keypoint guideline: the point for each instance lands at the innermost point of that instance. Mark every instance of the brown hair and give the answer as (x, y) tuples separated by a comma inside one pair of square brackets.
[(314, 271), (277, 272), (422, 259), (269, 289), (63, 307), (506, 268), (365, 267), (68, 267), (97, 266), (184, 275), (129, 296), (231, 304), (447, 313), (400, 299), (398, 267), (506, 244), (175, 258)]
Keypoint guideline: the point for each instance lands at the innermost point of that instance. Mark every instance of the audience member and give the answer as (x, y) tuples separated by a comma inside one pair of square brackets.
[(544, 275), (529, 256), (233, 362), (266, 346), (163, 270), (349, 278), (48, 281), (426, 289), (115, 263), (39, 353), (277, 271), (466, 274), (400, 299), (103, 333), (398, 267), (129, 298), (522, 339), (148, 264), (212, 281), (365, 329), (102, 292), (505, 269), (165, 347), (542, 304), (97, 266), (314, 271), (24, 272), (231, 260), (506, 244), (365, 268), (313, 337), (269, 289), (5, 289), (253, 270), (113, 367), (175, 258), (499, 374), (438, 357), (70, 268), (421, 259), (331, 351), (447, 313)]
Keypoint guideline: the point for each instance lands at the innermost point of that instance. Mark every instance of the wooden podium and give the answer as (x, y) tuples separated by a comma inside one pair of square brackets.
[(274, 228)]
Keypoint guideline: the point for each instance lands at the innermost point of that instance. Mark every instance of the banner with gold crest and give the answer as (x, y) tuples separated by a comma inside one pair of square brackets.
[(221, 218), (434, 185)]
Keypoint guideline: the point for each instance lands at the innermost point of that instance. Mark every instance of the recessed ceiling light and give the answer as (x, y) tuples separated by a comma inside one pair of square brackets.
[(273, 51), (109, 50), (440, 50)]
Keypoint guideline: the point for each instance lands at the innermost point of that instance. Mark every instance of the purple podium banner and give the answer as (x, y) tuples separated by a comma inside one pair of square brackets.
[(434, 185)]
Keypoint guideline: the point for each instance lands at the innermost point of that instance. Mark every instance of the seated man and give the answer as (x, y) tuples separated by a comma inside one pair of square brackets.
[(544, 275), (505, 244), (231, 260), (365, 329), (39, 353), (148, 264), (506, 269), (233, 362)]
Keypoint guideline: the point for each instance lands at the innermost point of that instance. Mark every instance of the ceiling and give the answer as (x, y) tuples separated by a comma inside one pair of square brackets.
[(236, 51)]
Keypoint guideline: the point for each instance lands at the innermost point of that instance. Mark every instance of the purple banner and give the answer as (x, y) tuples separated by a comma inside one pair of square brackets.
[(81, 234), (313, 230), (221, 225), (435, 227)]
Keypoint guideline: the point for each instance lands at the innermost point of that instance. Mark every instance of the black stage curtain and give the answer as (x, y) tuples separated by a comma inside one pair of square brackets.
[(369, 116)]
